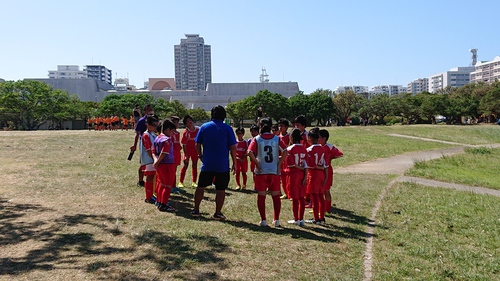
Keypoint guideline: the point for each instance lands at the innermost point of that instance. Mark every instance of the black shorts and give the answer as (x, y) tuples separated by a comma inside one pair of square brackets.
[(207, 178)]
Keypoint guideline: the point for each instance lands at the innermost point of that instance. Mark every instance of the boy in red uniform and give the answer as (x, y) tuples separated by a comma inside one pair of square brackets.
[(163, 154), (176, 138), (241, 159), (254, 131), (264, 152), (296, 166), (189, 148), (147, 160), (285, 138), (316, 176), (331, 152)]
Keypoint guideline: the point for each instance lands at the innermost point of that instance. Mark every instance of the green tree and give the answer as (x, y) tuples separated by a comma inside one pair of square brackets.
[(299, 105), (345, 104), (490, 103), (381, 106), (321, 106), (177, 109), (241, 110), (30, 104), (198, 114), (274, 105)]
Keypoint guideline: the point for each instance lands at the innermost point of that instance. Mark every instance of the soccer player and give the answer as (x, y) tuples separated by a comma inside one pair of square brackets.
[(331, 152), (296, 165), (254, 132), (285, 138), (148, 138), (140, 128), (264, 152), (189, 149), (124, 123), (241, 159), (176, 138), (163, 154), (316, 176)]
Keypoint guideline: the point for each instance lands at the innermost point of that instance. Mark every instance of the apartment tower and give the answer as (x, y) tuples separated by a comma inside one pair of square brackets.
[(193, 67)]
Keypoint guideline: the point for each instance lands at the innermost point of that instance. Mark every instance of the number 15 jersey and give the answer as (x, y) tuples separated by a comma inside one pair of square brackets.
[(267, 147)]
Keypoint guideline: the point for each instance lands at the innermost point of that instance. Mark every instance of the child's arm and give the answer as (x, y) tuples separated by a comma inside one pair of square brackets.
[(254, 160), (159, 159), (304, 180)]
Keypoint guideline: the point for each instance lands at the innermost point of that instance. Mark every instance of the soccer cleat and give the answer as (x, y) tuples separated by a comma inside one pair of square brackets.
[(194, 185), (309, 206), (165, 208), (175, 190), (300, 223), (195, 213), (140, 183), (293, 222), (283, 196), (321, 221), (263, 223), (244, 187), (312, 221), (276, 223), (150, 201), (238, 187), (219, 217), (180, 184)]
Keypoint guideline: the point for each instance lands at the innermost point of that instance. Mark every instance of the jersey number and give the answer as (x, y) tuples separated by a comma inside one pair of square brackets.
[(269, 154)]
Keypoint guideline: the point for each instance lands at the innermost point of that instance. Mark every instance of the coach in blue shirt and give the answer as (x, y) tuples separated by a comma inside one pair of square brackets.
[(213, 143)]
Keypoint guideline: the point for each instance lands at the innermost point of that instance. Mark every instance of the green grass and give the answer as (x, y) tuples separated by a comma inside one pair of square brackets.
[(476, 167), (69, 209), (428, 233)]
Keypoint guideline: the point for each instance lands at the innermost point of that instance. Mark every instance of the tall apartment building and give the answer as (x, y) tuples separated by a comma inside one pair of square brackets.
[(418, 86), (193, 63), (455, 77), (68, 72), (355, 89), (391, 90), (98, 72), (486, 71)]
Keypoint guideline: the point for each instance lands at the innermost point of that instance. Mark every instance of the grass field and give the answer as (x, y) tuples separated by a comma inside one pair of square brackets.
[(70, 210)]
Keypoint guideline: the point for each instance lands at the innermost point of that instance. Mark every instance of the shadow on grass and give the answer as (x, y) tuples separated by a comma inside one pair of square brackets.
[(89, 243)]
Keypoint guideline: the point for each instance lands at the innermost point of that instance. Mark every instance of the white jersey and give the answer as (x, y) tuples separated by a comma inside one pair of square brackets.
[(268, 153)]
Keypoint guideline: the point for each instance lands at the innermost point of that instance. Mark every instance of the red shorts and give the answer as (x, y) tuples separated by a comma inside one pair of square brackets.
[(190, 154), (294, 182), (165, 174), (329, 180), (242, 166), (267, 182), (315, 180), (177, 157)]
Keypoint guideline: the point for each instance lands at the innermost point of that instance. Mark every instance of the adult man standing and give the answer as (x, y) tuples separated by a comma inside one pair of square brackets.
[(140, 128), (213, 143)]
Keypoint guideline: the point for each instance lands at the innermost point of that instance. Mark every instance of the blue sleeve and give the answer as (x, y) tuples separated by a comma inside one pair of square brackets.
[(232, 138), (199, 136)]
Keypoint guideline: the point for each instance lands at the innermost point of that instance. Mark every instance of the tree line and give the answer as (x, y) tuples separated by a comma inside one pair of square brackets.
[(29, 104)]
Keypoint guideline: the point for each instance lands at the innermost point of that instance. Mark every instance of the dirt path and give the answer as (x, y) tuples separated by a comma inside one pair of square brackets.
[(398, 165)]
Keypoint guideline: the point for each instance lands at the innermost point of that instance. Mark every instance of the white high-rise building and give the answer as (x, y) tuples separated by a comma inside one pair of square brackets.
[(486, 71), (391, 90), (193, 66), (355, 89), (455, 77), (68, 72), (418, 86)]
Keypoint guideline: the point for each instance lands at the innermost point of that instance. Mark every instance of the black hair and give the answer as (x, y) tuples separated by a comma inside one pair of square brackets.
[(254, 128), (274, 127), (296, 135), (167, 124), (218, 112), (151, 119), (240, 130), (284, 122), (146, 107), (301, 119), (184, 120), (324, 134), (314, 133), (265, 125), (174, 118)]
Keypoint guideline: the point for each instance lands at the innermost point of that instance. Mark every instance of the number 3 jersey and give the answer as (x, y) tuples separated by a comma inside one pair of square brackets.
[(267, 147)]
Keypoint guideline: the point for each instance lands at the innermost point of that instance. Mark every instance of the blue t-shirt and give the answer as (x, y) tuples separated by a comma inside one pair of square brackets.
[(141, 126), (215, 138)]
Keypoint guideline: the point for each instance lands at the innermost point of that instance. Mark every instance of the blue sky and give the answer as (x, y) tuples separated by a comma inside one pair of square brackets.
[(319, 44)]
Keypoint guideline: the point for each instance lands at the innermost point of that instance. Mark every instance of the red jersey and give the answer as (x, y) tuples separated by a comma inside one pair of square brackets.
[(285, 138), (297, 156), (241, 149), (176, 138), (331, 152), (188, 137), (316, 156)]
